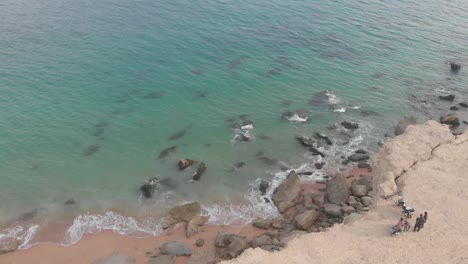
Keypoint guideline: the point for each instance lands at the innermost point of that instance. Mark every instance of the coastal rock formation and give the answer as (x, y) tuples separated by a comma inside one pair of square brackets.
[(117, 258), (202, 257), (267, 241), (185, 163), (181, 213), (451, 120), (194, 224), (230, 245), (332, 210), (454, 67), (401, 153), (350, 125), (337, 189), (288, 193), (167, 151), (175, 248), (306, 141), (463, 104), (150, 187), (262, 223)]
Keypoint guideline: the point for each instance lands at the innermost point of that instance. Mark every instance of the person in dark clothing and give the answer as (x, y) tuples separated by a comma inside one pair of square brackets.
[(425, 217), (421, 221), (417, 225)]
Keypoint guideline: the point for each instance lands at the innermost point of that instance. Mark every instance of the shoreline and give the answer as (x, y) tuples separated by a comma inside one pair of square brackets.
[(139, 247)]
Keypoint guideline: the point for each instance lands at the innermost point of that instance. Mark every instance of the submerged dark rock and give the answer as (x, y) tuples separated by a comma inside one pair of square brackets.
[(91, 149), (454, 67), (239, 164), (358, 157), (350, 125), (70, 201), (369, 113), (263, 187), (178, 135), (319, 165), (264, 137), (166, 152), (306, 141), (201, 169), (324, 137), (463, 104), (268, 161), (153, 95), (454, 108), (316, 152), (198, 72), (449, 97)]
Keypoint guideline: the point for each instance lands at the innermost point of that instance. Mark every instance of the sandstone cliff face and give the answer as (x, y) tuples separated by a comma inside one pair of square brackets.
[(401, 153)]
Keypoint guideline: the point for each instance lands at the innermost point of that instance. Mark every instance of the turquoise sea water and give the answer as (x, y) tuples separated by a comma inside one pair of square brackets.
[(122, 77)]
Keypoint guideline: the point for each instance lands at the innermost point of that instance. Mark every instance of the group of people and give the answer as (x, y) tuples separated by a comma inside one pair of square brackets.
[(420, 221)]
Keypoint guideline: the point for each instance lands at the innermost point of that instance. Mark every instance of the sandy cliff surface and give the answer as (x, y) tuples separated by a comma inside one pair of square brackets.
[(430, 166)]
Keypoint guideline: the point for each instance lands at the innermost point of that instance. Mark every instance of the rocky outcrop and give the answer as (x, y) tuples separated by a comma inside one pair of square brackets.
[(194, 224), (181, 213), (449, 97), (175, 248), (337, 189), (229, 246), (288, 193), (185, 163), (267, 241), (202, 257), (401, 153), (306, 141), (350, 125)]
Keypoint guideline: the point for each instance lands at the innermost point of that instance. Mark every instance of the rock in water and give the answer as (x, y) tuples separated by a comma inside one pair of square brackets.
[(202, 257), (451, 120), (116, 258), (306, 141), (185, 163), (201, 169), (350, 125), (324, 137), (263, 187), (337, 189), (454, 108), (288, 193), (463, 104), (166, 152), (306, 219), (449, 97), (175, 248), (316, 152), (181, 213), (229, 246), (454, 67), (150, 187), (194, 225)]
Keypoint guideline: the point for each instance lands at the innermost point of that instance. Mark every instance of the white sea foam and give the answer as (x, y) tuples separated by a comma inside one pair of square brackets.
[(339, 109), (25, 235), (296, 118)]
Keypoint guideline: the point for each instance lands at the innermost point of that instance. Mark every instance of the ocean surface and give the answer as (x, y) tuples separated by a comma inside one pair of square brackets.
[(91, 92)]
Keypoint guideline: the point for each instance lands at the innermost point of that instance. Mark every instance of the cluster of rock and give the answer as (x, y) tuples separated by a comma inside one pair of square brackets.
[(151, 186)]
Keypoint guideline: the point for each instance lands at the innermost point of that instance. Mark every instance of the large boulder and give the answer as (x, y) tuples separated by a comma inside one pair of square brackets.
[(150, 187), (229, 246), (288, 193), (359, 190), (162, 259), (181, 213), (337, 189), (266, 242), (175, 248), (451, 120), (402, 125), (194, 224), (116, 258), (306, 219), (185, 163), (202, 257), (332, 210), (306, 141), (262, 223)]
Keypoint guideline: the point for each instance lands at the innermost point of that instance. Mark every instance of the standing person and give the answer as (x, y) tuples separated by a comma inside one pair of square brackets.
[(421, 221), (425, 217), (417, 225)]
